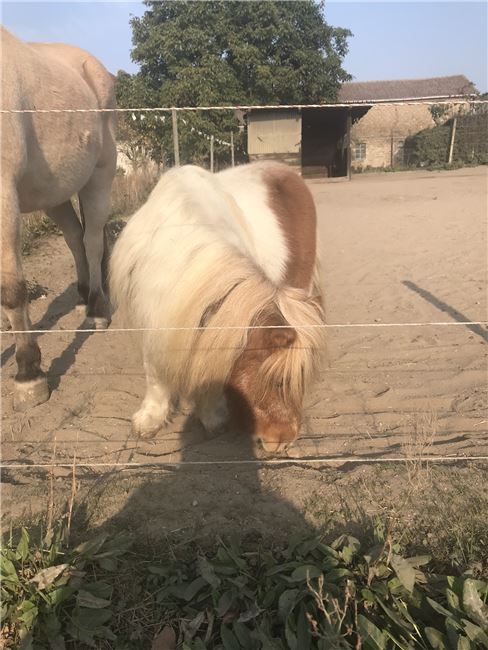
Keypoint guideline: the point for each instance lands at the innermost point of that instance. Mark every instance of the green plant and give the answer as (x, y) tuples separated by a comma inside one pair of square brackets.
[(217, 53), (430, 147), (316, 596), (307, 595), (51, 594)]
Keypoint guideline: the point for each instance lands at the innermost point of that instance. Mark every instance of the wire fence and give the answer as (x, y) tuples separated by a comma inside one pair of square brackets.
[(204, 142), (446, 100), (323, 460), (249, 327), (136, 113)]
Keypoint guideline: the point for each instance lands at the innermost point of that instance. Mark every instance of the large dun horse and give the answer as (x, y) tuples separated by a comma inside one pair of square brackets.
[(47, 158), (234, 256)]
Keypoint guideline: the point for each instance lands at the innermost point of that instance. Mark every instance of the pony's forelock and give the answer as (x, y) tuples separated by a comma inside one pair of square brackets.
[(290, 370)]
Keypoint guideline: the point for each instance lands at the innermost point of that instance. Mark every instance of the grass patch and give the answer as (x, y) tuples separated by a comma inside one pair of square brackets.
[(35, 226), (306, 594), (130, 190)]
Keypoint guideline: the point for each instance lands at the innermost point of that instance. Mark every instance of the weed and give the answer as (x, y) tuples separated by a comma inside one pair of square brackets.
[(130, 190), (36, 225), (306, 595), (51, 594)]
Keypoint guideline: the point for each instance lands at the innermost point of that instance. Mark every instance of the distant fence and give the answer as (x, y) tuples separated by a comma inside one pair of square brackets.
[(229, 147)]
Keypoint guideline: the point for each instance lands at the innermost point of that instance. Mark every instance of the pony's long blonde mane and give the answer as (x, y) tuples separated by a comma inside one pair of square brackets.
[(192, 361)]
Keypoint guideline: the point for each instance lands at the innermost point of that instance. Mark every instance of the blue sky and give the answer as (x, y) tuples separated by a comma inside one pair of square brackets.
[(392, 40)]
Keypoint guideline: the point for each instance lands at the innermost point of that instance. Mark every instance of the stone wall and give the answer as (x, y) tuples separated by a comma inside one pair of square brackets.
[(384, 128)]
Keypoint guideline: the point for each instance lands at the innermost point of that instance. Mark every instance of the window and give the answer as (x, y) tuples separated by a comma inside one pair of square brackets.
[(359, 151)]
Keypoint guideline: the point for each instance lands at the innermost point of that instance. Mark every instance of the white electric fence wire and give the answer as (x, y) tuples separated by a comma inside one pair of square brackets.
[(250, 327), (255, 461), (424, 101)]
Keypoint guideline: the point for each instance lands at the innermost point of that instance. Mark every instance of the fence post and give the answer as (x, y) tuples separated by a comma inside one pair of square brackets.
[(391, 151), (212, 153), (453, 135), (176, 143), (348, 151), (232, 147)]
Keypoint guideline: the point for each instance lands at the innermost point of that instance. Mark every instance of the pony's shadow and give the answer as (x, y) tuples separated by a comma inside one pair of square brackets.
[(220, 487)]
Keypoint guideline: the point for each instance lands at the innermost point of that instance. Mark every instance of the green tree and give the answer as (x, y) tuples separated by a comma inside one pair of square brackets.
[(218, 52)]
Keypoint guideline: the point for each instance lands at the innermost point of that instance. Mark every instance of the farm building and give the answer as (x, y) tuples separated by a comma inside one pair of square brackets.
[(328, 142)]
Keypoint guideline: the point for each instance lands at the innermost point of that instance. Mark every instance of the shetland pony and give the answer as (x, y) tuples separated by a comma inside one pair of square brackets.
[(227, 262), (46, 158)]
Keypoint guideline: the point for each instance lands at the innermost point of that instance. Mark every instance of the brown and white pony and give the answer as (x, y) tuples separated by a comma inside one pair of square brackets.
[(225, 253), (46, 158)]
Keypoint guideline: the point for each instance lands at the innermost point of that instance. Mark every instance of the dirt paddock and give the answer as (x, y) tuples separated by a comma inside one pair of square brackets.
[(396, 248)]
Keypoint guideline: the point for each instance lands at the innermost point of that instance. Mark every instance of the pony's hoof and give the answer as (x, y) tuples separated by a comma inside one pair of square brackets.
[(214, 417), (28, 394), (146, 424), (274, 447)]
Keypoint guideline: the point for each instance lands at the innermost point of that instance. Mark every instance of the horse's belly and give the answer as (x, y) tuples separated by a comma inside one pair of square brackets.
[(57, 168)]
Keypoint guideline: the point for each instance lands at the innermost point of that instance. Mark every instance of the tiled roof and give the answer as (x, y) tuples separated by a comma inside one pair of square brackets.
[(434, 87)]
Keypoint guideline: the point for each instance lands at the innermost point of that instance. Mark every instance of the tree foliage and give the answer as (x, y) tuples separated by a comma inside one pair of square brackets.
[(217, 53)]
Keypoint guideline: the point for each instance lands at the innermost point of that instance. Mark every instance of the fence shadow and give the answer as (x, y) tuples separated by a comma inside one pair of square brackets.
[(447, 309), (60, 365)]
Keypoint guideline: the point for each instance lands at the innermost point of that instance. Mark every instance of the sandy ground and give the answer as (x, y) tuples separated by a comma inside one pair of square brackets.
[(396, 248)]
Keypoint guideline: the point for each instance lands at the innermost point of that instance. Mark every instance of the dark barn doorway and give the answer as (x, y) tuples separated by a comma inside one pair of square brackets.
[(324, 142)]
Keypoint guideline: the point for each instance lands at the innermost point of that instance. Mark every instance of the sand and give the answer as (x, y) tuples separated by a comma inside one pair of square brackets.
[(396, 248)]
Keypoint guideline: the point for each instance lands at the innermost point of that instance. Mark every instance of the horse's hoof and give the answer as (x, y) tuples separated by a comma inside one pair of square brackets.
[(28, 394), (146, 424), (98, 323)]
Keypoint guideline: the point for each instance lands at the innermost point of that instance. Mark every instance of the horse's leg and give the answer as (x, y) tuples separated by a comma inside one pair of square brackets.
[(212, 411), (65, 217), (30, 386), (95, 207), (155, 408)]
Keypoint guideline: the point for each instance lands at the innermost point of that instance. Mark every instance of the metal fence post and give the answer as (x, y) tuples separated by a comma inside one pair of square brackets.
[(176, 143), (348, 151), (453, 135)]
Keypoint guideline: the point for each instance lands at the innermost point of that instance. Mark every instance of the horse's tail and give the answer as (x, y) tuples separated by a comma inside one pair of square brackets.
[(101, 82)]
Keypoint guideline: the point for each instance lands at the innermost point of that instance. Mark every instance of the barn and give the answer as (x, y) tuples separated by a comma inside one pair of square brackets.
[(329, 142)]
